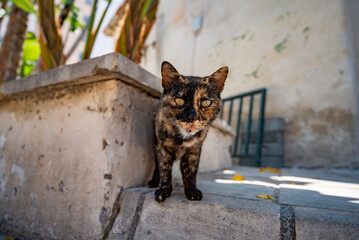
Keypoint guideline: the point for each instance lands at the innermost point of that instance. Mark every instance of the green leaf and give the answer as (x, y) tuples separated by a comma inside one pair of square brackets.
[(75, 21), (25, 5), (88, 46), (31, 52)]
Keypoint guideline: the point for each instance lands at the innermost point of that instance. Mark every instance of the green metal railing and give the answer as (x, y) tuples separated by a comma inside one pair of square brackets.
[(259, 132)]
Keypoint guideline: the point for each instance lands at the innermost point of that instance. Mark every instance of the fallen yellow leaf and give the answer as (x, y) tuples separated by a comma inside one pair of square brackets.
[(238, 178), (8, 238), (262, 170), (275, 170), (265, 196), (293, 183)]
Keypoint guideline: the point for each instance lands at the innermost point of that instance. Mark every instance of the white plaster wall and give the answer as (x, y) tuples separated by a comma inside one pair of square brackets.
[(309, 80), (53, 158)]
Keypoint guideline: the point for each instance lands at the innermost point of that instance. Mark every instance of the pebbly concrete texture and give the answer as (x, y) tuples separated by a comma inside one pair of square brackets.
[(230, 209), (318, 224), (72, 138), (304, 52)]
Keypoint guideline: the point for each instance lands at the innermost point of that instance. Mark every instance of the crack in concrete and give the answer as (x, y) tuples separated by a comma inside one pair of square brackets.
[(136, 218), (112, 218), (287, 223)]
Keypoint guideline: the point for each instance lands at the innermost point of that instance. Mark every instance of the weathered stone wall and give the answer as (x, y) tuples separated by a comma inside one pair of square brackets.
[(69, 145), (301, 51)]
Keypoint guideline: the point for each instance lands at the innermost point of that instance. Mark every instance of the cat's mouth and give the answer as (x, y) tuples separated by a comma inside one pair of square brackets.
[(190, 128)]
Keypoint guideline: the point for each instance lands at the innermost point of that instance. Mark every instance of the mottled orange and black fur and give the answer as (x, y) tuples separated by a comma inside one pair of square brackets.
[(188, 106)]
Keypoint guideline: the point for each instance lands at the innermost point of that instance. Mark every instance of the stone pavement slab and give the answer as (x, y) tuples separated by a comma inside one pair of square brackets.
[(221, 183), (314, 223), (320, 189)]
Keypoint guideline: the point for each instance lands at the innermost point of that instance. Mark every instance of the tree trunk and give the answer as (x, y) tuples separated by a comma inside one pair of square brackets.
[(50, 38), (11, 47)]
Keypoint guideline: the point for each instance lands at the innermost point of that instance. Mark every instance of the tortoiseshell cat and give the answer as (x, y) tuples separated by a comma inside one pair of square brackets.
[(188, 106)]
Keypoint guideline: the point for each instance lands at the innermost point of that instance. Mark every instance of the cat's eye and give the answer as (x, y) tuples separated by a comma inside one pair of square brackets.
[(179, 101), (206, 103)]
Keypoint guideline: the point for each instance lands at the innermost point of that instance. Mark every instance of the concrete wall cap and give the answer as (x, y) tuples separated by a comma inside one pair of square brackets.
[(107, 67)]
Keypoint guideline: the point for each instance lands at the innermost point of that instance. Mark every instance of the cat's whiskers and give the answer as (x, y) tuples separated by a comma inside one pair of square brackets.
[(165, 125)]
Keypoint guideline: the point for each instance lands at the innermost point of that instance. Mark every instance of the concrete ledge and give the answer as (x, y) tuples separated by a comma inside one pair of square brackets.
[(110, 66)]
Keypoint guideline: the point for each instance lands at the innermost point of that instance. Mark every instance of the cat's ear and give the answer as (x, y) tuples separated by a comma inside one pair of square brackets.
[(219, 77), (169, 75)]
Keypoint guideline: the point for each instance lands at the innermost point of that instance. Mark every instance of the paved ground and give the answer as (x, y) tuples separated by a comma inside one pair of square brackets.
[(308, 204)]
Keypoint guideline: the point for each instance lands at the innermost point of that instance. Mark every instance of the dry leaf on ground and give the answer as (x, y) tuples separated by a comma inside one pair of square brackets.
[(265, 196), (275, 170), (238, 178)]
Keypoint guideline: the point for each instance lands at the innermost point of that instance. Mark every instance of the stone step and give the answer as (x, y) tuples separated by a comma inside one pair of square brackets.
[(220, 217), (230, 209), (215, 217)]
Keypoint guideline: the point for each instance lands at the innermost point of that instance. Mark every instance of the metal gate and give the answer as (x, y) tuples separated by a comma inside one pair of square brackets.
[(244, 135)]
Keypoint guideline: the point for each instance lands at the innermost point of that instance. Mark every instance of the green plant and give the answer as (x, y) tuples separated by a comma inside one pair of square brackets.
[(49, 40), (138, 17), (31, 52), (91, 35), (11, 47)]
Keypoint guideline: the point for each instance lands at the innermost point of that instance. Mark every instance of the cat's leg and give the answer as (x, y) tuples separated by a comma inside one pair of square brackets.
[(165, 171), (155, 181), (189, 169)]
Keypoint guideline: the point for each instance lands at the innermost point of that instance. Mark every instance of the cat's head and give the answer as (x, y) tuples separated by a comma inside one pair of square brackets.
[(191, 103)]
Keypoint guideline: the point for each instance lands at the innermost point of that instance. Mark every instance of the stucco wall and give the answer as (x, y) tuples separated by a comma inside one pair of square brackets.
[(65, 158), (299, 50)]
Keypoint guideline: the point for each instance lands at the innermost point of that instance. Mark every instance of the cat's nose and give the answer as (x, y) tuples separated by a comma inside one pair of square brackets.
[(191, 115)]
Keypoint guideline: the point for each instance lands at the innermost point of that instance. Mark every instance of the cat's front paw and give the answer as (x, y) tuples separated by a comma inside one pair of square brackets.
[(162, 193), (193, 194)]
